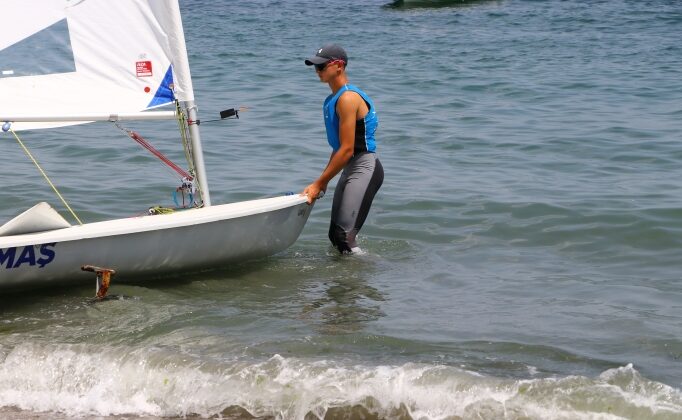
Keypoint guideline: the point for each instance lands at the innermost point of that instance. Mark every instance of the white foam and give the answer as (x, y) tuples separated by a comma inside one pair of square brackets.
[(357, 251), (83, 380)]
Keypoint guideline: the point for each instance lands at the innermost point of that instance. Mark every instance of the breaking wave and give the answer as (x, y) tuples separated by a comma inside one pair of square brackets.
[(79, 380)]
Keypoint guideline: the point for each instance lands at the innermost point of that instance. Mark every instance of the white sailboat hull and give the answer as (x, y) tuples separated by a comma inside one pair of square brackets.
[(154, 246)]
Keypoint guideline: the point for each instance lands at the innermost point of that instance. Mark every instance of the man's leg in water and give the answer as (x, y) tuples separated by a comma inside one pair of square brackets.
[(357, 186)]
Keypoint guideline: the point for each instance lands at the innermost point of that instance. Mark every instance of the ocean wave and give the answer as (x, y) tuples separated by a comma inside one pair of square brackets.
[(75, 380)]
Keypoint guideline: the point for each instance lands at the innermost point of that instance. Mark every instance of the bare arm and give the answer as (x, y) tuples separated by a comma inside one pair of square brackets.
[(347, 109)]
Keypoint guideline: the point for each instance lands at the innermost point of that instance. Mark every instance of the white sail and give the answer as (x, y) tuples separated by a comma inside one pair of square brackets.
[(82, 57)]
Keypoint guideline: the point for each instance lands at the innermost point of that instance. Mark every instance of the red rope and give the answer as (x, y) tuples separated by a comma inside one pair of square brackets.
[(138, 138)]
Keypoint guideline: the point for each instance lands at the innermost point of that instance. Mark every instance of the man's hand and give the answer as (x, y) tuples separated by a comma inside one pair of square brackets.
[(314, 191)]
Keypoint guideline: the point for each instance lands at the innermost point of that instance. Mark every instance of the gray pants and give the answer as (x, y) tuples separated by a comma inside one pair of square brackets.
[(359, 183)]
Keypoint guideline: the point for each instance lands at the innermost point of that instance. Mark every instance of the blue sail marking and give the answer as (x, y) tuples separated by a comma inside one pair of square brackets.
[(164, 93)]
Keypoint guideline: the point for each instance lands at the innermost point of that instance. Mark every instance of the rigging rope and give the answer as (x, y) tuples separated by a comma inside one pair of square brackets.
[(187, 178), (142, 142), (45, 175), (183, 126)]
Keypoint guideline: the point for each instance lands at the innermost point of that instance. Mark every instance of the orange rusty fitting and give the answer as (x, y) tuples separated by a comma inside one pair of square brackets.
[(103, 279)]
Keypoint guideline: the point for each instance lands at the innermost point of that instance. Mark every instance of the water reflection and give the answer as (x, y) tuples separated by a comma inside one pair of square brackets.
[(345, 302)]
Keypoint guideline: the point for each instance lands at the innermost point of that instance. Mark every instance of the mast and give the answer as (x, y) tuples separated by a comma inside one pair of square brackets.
[(184, 91), (197, 153)]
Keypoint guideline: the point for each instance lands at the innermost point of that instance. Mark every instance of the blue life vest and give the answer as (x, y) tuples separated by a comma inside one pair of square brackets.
[(364, 128)]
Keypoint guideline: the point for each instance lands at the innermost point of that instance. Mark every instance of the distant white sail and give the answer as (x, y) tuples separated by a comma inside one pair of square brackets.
[(82, 57)]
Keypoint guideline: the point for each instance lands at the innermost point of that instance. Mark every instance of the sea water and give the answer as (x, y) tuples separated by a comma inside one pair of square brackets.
[(522, 259)]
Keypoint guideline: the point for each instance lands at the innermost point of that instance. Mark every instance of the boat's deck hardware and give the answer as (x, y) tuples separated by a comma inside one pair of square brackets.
[(228, 113), (104, 276)]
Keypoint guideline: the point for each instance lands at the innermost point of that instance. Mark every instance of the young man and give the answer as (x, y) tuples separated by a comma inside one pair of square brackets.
[(351, 121)]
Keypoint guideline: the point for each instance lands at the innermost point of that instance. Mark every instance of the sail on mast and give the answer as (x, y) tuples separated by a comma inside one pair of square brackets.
[(100, 57), (104, 58)]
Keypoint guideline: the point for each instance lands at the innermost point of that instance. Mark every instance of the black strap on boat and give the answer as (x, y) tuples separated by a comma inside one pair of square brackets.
[(225, 114)]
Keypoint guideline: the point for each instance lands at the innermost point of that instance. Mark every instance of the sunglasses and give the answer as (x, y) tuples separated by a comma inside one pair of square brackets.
[(320, 67)]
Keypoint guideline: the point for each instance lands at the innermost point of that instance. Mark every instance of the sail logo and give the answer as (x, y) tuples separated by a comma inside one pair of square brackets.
[(30, 255), (143, 68)]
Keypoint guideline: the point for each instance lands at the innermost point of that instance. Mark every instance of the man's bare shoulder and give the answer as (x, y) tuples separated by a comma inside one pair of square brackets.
[(350, 98), (349, 104)]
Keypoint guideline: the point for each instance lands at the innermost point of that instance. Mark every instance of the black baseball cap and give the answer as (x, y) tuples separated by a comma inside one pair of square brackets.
[(328, 53)]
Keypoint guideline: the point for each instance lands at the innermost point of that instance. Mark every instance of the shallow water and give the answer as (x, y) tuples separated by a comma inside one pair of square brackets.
[(522, 257)]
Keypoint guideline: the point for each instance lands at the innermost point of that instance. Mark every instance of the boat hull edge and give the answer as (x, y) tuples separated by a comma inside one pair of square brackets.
[(155, 253)]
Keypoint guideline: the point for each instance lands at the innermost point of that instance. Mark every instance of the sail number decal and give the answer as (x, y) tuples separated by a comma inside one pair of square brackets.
[(31, 255), (143, 68)]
